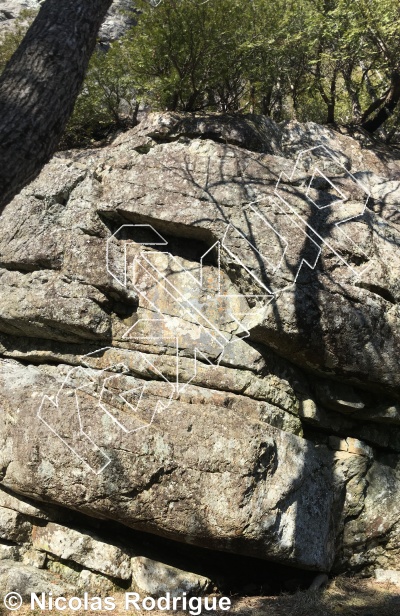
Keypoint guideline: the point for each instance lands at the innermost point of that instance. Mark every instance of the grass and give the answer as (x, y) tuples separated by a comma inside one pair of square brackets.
[(346, 596)]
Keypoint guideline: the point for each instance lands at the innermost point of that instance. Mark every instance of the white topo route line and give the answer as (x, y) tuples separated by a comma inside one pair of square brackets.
[(129, 404)]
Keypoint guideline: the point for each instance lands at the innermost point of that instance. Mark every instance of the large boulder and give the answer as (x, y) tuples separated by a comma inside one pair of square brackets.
[(199, 339)]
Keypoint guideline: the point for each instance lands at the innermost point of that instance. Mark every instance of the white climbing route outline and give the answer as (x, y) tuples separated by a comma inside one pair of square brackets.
[(264, 247)]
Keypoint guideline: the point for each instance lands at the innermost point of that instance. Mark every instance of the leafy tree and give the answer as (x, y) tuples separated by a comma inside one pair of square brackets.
[(354, 56), (381, 24), (107, 99), (186, 54), (335, 61)]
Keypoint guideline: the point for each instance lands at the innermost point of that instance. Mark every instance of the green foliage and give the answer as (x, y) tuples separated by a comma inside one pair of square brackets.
[(325, 60), (188, 54), (107, 99), (320, 60), (10, 40)]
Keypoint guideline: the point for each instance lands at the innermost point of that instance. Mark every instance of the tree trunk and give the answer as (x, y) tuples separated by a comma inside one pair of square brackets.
[(374, 106), (389, 105), (331, 104), (330, 113), (353, 92), (266, 102), (329, 99), (39, 86)]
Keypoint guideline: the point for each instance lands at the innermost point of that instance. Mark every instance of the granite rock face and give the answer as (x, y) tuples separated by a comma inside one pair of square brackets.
[(156, 579), (199, 339)]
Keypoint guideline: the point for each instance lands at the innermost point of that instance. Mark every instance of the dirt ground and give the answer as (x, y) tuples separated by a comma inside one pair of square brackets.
[(348, 597)]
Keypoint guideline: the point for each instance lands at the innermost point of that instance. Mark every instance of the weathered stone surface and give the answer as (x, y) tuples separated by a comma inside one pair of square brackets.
[(218, 481), (387, 576), (9, 552), (373, 536), (10, 9), (23, 579), (351, 445), (97, 584), (41, 305), (35, 558), (264, 434), (339, 397), (387, 192), (87, 550), (83, 580), (202, 211), (155, 579), (120, 17), (352, 469), (21, 505), (13, 526)]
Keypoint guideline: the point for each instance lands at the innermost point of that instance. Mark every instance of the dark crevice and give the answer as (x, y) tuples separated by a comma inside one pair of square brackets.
[(382, 292), (200, 242), (123, 305), (172, 229), (28, 268), (156, 478), (230, 573), (8, 543), (187, 137), (77, 568)]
